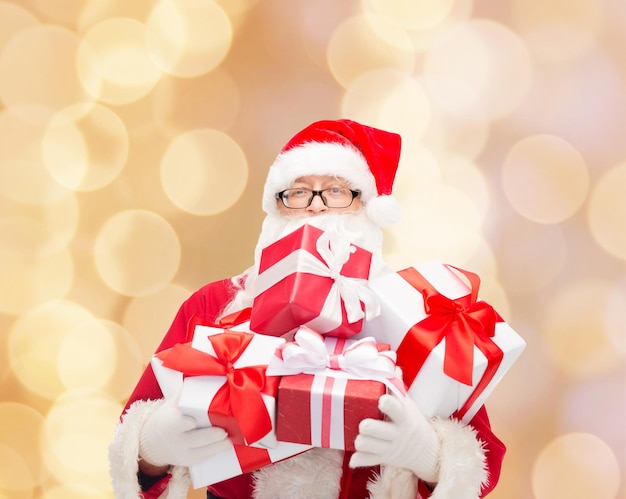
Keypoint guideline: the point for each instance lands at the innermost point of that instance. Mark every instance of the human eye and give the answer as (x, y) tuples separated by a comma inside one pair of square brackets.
[(336, 191), (297, 193)]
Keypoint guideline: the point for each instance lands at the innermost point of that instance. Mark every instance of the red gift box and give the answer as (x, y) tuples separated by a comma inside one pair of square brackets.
[(323, 411), (329, 386), (314, 278)]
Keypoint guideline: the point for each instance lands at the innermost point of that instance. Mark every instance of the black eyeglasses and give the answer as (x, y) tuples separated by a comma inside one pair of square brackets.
[(335, 197)]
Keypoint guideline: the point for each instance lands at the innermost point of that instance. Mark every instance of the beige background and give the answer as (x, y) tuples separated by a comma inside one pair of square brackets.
[(134, 141)]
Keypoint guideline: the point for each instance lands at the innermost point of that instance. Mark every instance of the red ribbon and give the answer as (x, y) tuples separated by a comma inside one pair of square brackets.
[(464, 322), (251, 458), (225, 322), (237, 406)]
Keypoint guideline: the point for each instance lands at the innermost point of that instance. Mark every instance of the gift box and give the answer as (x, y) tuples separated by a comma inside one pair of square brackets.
[(243, 355), (224, 381), (453, 348), (328, 386), (314, 278), (240, 459)]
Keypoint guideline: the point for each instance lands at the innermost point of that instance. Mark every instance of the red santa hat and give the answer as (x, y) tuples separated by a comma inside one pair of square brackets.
[(366, 157)]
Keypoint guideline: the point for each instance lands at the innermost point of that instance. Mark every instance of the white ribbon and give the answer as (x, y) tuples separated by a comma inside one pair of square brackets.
[(312, 353), (335, 252)]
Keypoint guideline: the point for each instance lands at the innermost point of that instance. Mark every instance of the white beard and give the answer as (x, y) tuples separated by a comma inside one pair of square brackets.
[(354, 227)]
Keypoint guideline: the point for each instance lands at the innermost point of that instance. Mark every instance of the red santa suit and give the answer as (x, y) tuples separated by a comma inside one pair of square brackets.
[(475, 452), (470, 456)]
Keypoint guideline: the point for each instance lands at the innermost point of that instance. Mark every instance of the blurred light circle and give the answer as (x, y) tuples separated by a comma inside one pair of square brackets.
[(316, 23), (560, 30), (405, 109), (356, 47), (459, 123), (23, 176), (128, 364), (576, 466), (439, 222), (20, 428), (531, 256), (204, 171), (39, 230), (426, 37), (113, 61), (34, 343), (37, 67), (237, 8), (147, 318), (27, 281), (606, 212), (443, 203), (512, 396), (418, 166), (37, 263), (366, 95), (64, 14), (188, 38), (86, 356), (446, 242), (13, 19), (85, 147), (391, 100), (615, 315), (411, 15), (463, 174), (16, 476), (69, 491), (545, 179), (137, 252), (487, 57), (35, 231), (607, 424), (574, 330), (76, 434), (176, 106)]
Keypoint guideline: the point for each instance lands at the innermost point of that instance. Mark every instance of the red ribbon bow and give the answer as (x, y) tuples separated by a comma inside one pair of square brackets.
[(464, 322), (237, 406), (225, 322)]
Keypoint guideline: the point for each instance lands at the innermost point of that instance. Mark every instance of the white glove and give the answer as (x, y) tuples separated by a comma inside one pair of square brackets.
[(169, 437), (406, 440)]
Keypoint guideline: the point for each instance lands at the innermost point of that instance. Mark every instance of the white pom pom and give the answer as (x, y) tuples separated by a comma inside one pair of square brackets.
[(383, 210)]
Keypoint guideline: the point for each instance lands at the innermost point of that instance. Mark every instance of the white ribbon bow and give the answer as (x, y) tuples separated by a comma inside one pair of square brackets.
[(335, 251), (312, 353)]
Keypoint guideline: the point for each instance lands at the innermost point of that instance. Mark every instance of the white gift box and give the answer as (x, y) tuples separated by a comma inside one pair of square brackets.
[(434, 391), (238, 460), (197, 392)]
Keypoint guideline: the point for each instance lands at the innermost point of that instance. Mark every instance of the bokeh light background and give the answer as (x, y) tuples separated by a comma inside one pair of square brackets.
[(135, 137)]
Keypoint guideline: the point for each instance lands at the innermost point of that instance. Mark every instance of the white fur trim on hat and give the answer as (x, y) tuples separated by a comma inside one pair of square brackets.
[(124, 456), (383, 210), (329, 158)]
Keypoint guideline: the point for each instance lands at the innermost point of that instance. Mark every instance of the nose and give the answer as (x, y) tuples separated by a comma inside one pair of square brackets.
[(317, 205)]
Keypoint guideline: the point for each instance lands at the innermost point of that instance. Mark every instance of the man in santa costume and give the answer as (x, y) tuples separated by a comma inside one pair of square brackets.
[(336, 175)]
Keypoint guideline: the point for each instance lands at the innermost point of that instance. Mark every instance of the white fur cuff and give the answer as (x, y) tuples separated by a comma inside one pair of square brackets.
[(124, 456), (462, 463)]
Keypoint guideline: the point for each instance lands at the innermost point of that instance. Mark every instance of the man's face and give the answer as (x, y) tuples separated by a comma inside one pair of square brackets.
[(317, 206)]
